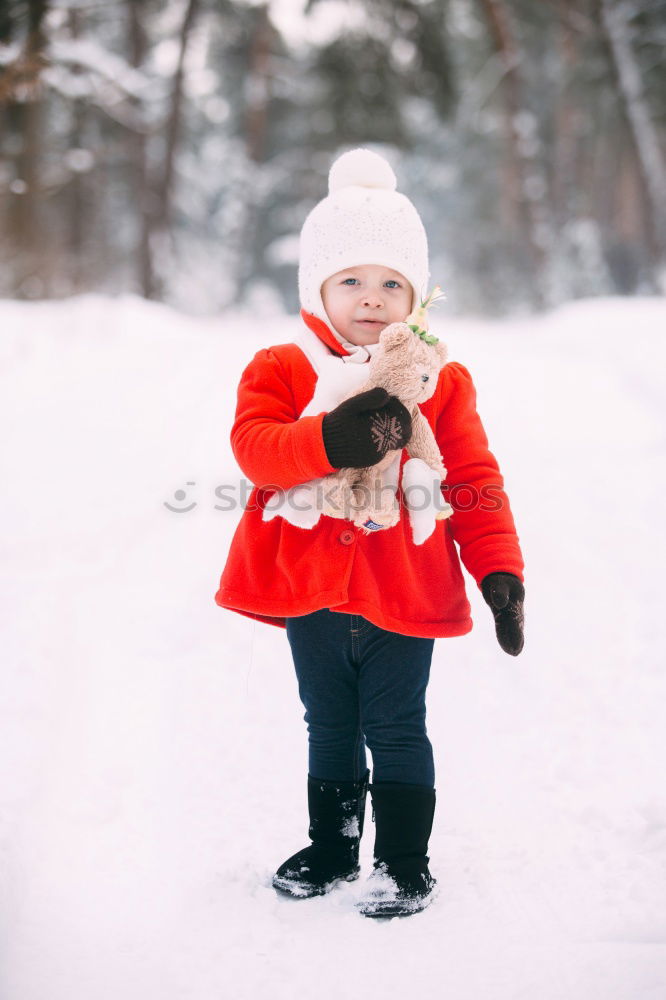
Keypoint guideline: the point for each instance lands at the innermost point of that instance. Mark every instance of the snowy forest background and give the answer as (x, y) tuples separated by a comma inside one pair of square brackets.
[(153, 744), (173, 149)]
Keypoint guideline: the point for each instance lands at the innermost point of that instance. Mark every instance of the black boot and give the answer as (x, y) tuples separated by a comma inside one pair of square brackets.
[(400, 882), (337, 810)]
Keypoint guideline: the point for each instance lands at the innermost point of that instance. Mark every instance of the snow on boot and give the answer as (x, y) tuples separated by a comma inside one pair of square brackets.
[(337, 810), (400, 882)]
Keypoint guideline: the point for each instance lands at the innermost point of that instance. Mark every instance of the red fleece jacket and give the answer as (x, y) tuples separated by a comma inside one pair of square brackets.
[(276, 570)]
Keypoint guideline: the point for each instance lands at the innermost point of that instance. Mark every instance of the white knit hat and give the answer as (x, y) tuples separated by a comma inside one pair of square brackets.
[(364, 220)]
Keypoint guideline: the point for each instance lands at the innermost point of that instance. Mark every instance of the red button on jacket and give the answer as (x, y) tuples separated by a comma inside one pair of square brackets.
[(275, 570), (347, 537)]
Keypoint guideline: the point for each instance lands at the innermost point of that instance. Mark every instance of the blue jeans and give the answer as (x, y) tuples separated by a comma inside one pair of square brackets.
[(362, 685)]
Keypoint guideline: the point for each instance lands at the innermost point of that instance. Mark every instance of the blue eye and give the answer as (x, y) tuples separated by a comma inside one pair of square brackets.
[(391, 282)]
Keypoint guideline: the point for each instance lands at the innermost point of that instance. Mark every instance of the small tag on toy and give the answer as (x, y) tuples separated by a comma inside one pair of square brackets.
[(372, 525)]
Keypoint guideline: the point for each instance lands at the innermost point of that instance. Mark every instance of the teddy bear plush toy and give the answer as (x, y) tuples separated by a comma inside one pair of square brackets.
[(406, 364), (407, 367)]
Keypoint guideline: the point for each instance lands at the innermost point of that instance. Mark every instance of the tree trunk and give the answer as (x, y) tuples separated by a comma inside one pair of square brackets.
[(146, 204), (528, 183), (21, 92), (76, 201), (563, 182), (257, 100), (258, 86), (643, 131), (173, 125), (158, 205)]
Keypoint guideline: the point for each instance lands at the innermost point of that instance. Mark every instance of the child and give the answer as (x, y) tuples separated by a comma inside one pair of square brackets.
[(362, 611)]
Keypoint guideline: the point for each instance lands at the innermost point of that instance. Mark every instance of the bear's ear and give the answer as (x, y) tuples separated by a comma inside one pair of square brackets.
[(395, 335), (442, 351)]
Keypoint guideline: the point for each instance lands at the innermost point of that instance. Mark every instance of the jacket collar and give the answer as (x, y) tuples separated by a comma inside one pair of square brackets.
[(324, 333)]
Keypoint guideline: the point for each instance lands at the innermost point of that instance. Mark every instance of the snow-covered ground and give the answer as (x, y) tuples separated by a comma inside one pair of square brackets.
[(152, 745)]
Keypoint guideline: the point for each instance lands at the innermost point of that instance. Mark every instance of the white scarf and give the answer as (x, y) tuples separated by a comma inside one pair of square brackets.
[(337, 376)]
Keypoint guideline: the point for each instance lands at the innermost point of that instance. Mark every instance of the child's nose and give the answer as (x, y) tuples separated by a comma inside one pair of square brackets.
[(372, 299)]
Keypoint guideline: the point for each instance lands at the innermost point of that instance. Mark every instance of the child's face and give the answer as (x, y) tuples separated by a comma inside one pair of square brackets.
[(361, 301)]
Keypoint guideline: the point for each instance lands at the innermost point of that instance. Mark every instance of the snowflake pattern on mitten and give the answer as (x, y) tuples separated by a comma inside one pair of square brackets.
[(386, 432)]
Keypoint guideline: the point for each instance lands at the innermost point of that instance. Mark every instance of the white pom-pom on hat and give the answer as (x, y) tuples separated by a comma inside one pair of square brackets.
[(361, 168), (363, 220)]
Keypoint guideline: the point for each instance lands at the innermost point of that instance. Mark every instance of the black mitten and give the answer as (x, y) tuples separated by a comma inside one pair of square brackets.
[(360, 431), (504, 594)]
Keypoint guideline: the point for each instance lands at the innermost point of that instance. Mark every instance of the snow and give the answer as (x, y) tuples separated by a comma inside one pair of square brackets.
[(90, 55), (320, 26), (153, 744)]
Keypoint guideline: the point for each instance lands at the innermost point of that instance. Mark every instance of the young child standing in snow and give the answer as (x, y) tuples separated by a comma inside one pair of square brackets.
[(362, 611)]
